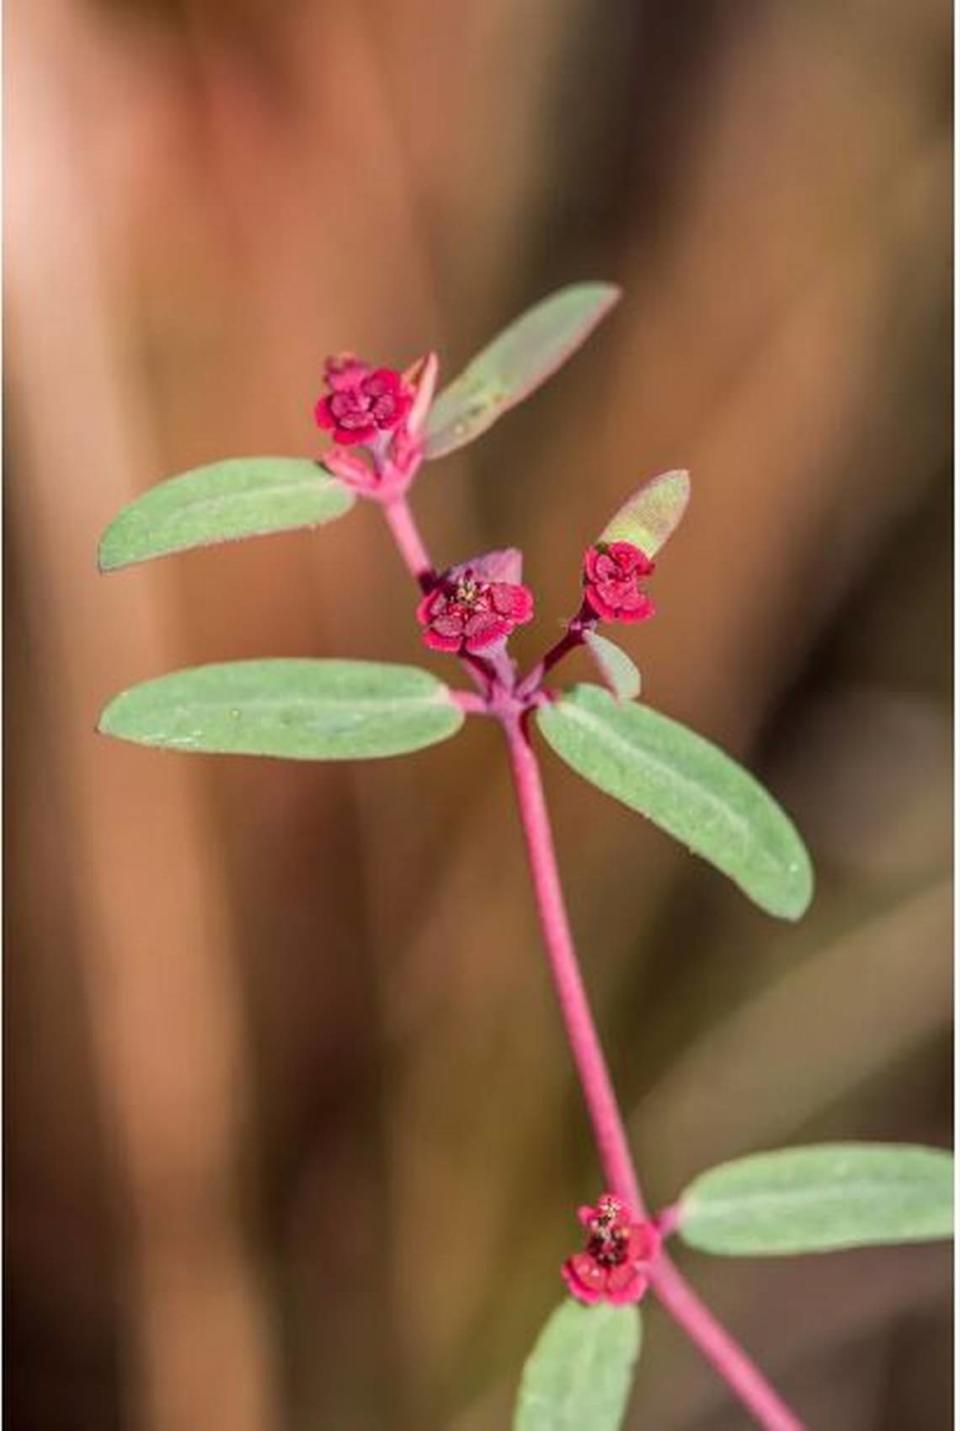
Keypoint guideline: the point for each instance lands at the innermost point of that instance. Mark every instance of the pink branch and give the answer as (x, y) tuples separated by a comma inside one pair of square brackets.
[(718, 1346), (407, 537), (686, 1308)]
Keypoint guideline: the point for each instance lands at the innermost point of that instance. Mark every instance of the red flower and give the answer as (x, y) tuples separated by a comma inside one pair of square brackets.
[(466, 612), (615, 1264), (611, 576), (362, 401)]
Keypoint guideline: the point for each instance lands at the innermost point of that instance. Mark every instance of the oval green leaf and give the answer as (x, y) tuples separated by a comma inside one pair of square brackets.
[(618, 672), (294, 709), (688, 787), (652, 514), (516, 363), (579, 1373), (241, 497), (820, 1199)]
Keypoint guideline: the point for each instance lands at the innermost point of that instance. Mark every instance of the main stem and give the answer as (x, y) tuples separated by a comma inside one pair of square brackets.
[(680, 1300), (409, 543), (677, 1296), (588, 1056)]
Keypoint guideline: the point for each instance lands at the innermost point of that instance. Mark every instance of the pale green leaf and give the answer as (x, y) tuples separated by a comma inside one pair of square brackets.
[(516, 363), (617, 670), (652, 514), (240, 497), (688, 787), (578, 1376), (299, 709), (820, 1199)]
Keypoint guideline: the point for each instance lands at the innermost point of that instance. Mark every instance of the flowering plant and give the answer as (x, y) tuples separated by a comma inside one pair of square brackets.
[(385, 424)]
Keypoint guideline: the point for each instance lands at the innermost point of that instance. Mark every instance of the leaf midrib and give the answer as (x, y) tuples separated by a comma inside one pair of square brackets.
[(192, 504), (244, 704), (726, 1207)]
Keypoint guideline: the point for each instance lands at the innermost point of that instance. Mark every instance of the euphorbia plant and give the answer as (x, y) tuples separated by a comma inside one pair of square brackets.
[(384, 424)]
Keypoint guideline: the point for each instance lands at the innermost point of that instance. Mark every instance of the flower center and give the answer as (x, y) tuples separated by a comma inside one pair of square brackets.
[(609, 1238), (468, 592), (609, 1245)]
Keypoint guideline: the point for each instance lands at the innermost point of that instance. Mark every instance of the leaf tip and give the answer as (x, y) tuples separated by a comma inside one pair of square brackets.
[(108, 558), (652, 514), (613, 292), (802, 892)]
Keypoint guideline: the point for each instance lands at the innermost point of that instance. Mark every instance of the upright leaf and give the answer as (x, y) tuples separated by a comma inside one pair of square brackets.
[(298, 709), (579, 1373), (820, 1199), (617, 670), (652, 514), (240, 497), (517, 361), (688, 787)]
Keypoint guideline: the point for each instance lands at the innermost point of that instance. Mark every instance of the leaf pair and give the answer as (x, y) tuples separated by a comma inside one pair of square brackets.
[(816, 1199), (343, 710)]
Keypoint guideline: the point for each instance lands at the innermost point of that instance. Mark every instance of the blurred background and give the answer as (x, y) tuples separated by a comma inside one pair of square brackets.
[(292, 1139)]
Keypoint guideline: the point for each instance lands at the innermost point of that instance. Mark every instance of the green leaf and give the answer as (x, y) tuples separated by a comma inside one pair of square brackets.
[(578, 1376), (619, 674), (689, 788), (517, 361), (820, 1199), (301, 710), (241, 497), (652, 514)]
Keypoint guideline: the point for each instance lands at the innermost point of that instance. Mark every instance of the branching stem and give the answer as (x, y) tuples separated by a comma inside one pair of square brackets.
[(727, 1357)]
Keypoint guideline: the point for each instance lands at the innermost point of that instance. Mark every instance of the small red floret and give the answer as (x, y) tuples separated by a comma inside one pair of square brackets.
[(466, 613), (614, 1266), (612, 572), (361, 401)]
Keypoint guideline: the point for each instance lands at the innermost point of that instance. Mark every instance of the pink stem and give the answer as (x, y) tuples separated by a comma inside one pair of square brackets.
[(470, 703), (407, 537), (587, 1054), (718, 1346), (686, 1308)]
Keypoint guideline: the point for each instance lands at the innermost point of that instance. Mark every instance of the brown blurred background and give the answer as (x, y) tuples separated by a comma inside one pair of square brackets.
[(292, 1140)]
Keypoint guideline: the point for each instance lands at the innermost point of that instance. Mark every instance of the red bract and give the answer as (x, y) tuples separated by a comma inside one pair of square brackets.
[(612, 572), (361, 401), (614, 1266), (467, 613)]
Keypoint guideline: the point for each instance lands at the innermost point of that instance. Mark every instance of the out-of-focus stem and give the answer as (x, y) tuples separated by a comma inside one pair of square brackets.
[(407, 537)]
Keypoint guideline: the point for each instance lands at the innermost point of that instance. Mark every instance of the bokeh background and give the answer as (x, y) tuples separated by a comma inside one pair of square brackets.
[(292, 1140)]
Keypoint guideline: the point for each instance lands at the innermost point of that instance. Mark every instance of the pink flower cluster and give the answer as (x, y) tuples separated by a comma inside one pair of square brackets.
[(362, 401), (473, 607), (466, 612), (614, 1265), (612, 572)]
